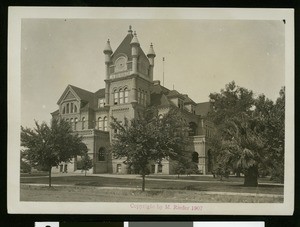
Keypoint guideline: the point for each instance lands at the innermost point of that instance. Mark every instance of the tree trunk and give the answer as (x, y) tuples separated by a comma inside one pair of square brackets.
[(50, 176), (143, 183), (251, 177), (85, 173)]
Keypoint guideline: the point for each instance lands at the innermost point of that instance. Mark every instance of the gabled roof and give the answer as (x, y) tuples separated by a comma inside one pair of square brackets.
[(87, 98), (203, 108), (125, 48), (188, 100), (159, 100), (83, 94), (175, 94)]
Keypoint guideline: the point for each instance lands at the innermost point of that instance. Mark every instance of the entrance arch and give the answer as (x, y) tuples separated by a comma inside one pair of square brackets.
[(195, 157)]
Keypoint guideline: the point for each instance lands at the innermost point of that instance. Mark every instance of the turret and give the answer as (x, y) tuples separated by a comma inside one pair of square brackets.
[(107, 51), (151, 55), (134, 52)]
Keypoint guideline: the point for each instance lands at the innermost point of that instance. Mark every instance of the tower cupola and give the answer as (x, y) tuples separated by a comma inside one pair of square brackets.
[(107, 51), (135, 41), (151, 55)]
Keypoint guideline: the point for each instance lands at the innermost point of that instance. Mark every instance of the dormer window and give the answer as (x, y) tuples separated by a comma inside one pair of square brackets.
[(101, 103), (180, 104)]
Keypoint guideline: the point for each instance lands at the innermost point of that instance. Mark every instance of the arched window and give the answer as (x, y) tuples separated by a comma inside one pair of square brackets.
[(105, 123), (75, 124), (192, 129), (101, 154), (64, 110), (67, 120), (121, 96), (126, 95), (68, 108), (160, 116), (72, 106), (116, 97), (83, 123), (75, 108), (100, 123)]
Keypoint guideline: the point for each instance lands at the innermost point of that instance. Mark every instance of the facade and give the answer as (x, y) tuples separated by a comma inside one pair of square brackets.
[(129, 88)]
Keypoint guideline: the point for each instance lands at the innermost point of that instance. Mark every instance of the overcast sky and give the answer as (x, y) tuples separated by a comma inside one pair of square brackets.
[(201, 56)]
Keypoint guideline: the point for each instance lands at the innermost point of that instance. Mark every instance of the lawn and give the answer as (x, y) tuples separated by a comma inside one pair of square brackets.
[(98, 194), (213, 185)]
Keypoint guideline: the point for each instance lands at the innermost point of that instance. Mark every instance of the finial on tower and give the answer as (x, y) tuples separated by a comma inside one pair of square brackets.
[(151, 52), (135, 40), (107, 48), (130, 29)]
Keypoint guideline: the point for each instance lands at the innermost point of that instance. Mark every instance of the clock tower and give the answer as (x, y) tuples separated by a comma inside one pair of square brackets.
[(129, 77)]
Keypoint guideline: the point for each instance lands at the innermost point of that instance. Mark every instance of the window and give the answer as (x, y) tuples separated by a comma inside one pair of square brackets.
[(100, 123), (105, 123), (75, 108), (121, 96), (71, 121), (126, 95), (75, 124), (145, 98), (64, 110), (101, 154), (119, 168), (83, 123), (101, 103), (115, 97), (71, 111), (159, 168), (192, 129), (142, 97), (139, 96), (152, 170), (67, 108)]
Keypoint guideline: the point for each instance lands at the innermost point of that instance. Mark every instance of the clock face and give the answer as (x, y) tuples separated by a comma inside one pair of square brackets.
[(120, 64)]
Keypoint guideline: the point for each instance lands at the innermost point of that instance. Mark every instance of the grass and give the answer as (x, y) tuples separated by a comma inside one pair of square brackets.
[(96, 194), (235, 185)]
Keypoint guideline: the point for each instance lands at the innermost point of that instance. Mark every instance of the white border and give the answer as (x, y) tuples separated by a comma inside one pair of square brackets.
[(15, 15)]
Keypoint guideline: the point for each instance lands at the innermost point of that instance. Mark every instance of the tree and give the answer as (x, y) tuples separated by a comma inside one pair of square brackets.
[(149, 138), (246, 133), (86, 163), (47, 146), (185, 165)]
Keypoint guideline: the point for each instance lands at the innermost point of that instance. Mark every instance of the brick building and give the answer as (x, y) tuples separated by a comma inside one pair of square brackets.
[(129, 88)]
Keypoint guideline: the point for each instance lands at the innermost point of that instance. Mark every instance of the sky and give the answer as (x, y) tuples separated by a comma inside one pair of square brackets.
[(201, 56)]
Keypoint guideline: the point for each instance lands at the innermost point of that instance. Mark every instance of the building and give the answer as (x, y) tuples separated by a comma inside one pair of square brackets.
[(129, 88)]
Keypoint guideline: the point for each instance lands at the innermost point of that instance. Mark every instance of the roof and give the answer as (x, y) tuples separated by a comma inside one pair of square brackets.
[(203, 108), (85, 96), (125, 48)]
